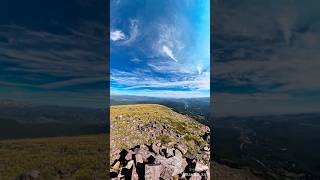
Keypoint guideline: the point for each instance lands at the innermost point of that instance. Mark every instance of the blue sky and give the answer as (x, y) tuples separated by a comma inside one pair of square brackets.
[(160, 48), (54, 52), (266, 57)]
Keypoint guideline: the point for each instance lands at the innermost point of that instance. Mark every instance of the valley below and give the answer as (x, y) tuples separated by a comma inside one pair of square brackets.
[(271, 147)]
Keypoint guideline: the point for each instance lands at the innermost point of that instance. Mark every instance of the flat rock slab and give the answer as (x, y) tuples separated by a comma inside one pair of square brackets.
[(152, 171)]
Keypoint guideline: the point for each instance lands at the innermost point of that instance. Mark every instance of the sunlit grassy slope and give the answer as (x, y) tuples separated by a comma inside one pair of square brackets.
[(81, 157), (125, 134)]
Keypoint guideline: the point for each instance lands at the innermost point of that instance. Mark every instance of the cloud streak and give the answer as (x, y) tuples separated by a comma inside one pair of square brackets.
[(268, 64), (169, 53)]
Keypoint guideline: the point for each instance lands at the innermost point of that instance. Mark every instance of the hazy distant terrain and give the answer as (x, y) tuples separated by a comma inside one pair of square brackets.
[(272, 146), (19, 120)]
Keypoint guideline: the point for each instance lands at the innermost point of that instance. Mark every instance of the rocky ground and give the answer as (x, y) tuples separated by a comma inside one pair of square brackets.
[(150, 141), (156, 161)]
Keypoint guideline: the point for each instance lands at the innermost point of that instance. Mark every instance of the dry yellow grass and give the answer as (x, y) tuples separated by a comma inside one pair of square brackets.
[(81, 157)]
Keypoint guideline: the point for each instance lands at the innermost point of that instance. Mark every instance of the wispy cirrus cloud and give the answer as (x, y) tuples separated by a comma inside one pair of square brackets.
[(145, 79), (135, 60), (162, 41), (161, 93), (46, 60), (169, 52), (268, 64)]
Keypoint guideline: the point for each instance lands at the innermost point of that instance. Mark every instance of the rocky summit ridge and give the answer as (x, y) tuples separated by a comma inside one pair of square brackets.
[(150, 141)]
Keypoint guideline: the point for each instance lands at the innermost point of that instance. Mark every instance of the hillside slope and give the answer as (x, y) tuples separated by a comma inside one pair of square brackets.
[(131, 125), (156, 131), (79, 157), (226, 173)]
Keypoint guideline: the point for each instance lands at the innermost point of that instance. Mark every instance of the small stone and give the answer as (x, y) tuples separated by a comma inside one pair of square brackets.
[(129, 164), (155, 148), (206, 156), (139, 158), (134, 174), (180, 148), (195, 176), (169, 153), (201, 167), (206, 148), (116, 166), (144, 147), (189, 155), (177, 153), (31, 175), (162, 151), (176, 177), (129, 155), (34, 174), (119, 117), (136, 150), (145, 154), (206, 137)]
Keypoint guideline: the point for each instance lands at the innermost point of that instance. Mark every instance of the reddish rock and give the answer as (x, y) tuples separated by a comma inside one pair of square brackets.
[(129, 155), (152, 171), (177, 153), (139, 158), (169, 153), (134, 175), (155, 148), (201, 167), (144, 147), (167, 172), (195, 176), (181, 148), (172, 166)]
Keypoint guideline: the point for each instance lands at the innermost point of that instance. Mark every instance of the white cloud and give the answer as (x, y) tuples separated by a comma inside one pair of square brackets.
[(72, 82), (199, 69), (143, 79), (135, 60), (134, 32), (169, 53), (162, 93), (117, 35)]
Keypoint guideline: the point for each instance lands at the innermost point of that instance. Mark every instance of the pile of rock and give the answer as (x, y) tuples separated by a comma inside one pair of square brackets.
[(154, 129), (155, 161)]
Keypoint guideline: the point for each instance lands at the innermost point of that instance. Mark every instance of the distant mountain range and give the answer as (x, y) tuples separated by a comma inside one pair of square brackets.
[(197, 108), (27, 113), (23, 120)]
